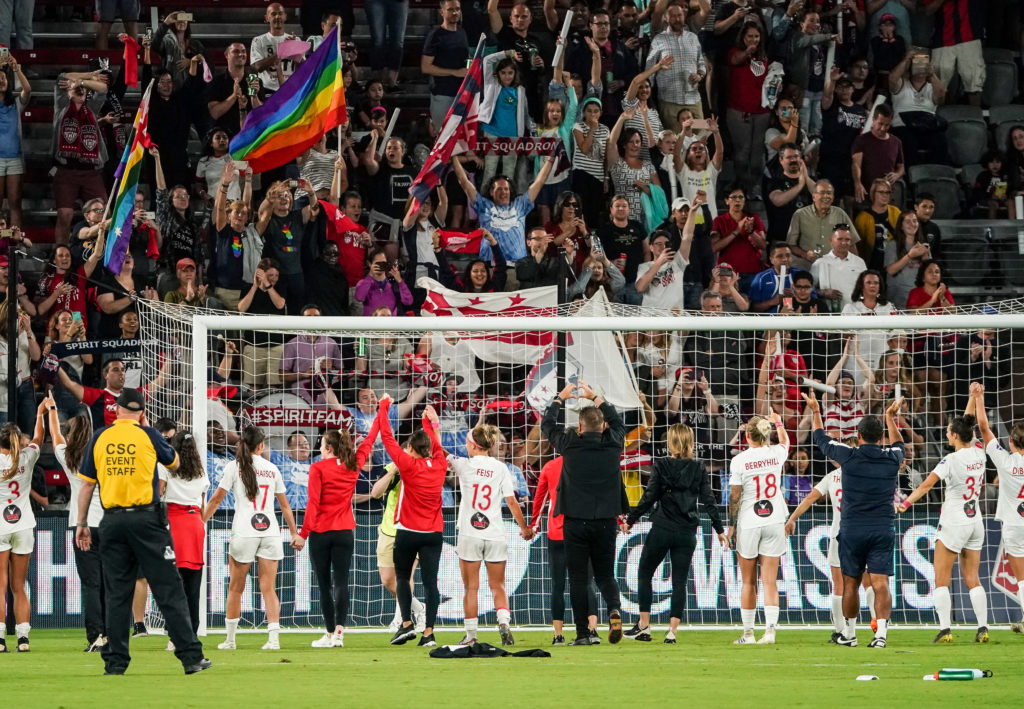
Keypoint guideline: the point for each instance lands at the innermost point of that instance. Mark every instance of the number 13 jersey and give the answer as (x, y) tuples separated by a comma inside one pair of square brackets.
[(485, 483), (759, 472)]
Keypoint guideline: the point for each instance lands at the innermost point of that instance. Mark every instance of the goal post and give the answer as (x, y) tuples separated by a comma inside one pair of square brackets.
[(620, 344)]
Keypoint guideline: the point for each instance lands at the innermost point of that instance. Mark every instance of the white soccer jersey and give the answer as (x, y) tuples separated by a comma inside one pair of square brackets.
[(183, 492), (254, 518), (831, 488), (95, 512), (1010, 510), (963, 472), (759, 472), (16, 514), (485, 482)]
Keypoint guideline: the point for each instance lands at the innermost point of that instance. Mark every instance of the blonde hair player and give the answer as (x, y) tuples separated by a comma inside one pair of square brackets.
[(757, 518)]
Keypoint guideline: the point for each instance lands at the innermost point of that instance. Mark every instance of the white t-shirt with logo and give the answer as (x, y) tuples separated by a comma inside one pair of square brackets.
[(665, 290), (1010, 509), (15, 502), (759, 472), (183, 492), (254, 518), (831, 488), (485, 483), (963, 472)]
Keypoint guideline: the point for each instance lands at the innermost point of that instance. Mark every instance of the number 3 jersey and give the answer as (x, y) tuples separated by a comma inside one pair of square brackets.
[(759, 472), (16, 513), (485, 482), (254, 518), (963, 473)]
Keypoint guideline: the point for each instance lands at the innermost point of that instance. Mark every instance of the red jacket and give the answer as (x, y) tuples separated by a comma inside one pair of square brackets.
[(331, 485), (547, 486), (419, 502)]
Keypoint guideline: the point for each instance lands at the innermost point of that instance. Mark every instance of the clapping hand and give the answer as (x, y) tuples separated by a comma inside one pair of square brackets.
[(894, 407)]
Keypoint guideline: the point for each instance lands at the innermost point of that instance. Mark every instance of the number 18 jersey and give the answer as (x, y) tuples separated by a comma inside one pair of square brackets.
[(759, 472), (254, 518), (485, 482), (963, 472)]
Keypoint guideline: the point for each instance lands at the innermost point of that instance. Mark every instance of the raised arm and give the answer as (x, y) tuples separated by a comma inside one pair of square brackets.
[(463, 178), (542, 176), (978, 393), (494, 15), (220, 204), (402, 459), (612, 151), (890, 421), (365, 449)]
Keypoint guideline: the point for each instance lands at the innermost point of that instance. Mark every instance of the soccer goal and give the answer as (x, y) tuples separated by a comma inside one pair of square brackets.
[(296, 377)]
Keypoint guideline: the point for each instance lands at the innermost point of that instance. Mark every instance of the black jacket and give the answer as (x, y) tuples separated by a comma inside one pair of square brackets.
[(675, 486), (591, 483)]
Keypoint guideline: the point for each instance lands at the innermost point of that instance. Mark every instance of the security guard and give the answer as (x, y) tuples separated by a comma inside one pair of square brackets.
[(121, 459)]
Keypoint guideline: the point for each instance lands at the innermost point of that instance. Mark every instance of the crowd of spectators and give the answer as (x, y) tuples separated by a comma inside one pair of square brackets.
[(717, 163)]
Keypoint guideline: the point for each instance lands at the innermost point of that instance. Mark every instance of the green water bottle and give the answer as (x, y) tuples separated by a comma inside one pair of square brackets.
[(959, 674), (361, 347)]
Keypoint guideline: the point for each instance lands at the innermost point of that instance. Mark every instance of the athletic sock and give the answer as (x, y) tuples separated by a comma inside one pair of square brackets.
[(232, 624), (883, 628), (3, 626), (870, 596), (1020, 600), (771, 617), (943, 606), (398, 614), (504, 616), (980, 602), (851, 628), (274, 630), (837, 614), (471, 627), (748, 615), (22, 630)]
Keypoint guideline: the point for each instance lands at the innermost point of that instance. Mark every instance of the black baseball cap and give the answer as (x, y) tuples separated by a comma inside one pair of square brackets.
[(131, 400)]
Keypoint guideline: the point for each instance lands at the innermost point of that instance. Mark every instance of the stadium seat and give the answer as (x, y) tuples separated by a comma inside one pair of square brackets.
[(969, 175), (922, 172), (965, 271), (1000, 77), (1002, 119), (1010, 261), (967, 134), (948, 196)]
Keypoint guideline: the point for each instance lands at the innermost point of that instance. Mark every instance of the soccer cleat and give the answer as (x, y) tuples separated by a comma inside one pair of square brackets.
[(22, 645), (506, 634), (558, 640), (1017, 627), (746, 639), (634, 631), (203, 664), (466, 640), (226, 645), (3, 644), (846, 642), (97, 645), (614, 627), (337, 639), (595, 639), (643, 636), (271, 645), (670, 638), (323, 641), (945, 637), (982, 635), (585, 640), (877, 642), (117, 671), (835, 637), (139, 630), (768, 638), (403, 635), (427, 641), (874, 625)]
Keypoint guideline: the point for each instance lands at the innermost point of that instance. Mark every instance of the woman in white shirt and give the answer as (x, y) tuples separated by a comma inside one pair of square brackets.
[(255, 533)]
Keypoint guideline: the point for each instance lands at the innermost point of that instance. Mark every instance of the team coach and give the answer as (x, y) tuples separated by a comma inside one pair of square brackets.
[(121, 459)]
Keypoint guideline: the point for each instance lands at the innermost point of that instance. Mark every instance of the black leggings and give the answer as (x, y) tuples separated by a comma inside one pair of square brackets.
[(556, 560), (329, 550), (192, 580), (428, 545), (680, 546)]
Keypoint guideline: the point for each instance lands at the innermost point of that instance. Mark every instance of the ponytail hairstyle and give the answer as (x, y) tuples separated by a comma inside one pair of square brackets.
[(340, 444), (190, 466), (963, 427), (78, 436), (1017, 436), (10, 440), (484, 436), (249, 441), (680, 441), (760, 430)]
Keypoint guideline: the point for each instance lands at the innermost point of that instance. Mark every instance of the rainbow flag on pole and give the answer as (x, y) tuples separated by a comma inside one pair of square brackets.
[(127, 172), (310, 103)]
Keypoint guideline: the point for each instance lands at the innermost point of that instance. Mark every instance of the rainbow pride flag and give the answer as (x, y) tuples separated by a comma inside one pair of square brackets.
[(127, 172), (310, 103)]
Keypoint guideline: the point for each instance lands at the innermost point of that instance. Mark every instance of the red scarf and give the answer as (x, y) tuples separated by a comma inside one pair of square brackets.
[(79, 136), (131, 61)]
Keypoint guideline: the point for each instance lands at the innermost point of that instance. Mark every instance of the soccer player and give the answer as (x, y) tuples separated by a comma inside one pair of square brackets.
[(17, 523), (676, 483), (866, 539), (961, 529), (830, 487), (757, 518), (255, 534), (485, 482), (1010, 479)]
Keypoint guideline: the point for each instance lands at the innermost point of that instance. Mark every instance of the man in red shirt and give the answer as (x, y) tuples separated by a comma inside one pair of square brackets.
[(102, 403), (956, 43), (876, 154), (738, 238)]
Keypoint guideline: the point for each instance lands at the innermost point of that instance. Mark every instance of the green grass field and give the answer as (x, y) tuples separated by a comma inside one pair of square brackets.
[(801, 670)]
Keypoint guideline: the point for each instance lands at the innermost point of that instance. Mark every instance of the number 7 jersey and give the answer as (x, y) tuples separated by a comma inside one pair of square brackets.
[(254, 518), (759, 472), (485, 483)]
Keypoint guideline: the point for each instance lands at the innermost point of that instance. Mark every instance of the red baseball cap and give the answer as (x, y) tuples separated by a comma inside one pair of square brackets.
[(185, 263)]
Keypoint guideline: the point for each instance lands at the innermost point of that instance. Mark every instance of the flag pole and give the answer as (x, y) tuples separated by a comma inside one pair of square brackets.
[(340, 125), (124, 155)]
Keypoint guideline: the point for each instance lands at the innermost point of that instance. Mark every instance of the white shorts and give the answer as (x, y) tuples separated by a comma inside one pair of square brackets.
[(21, 542), (245, 550), (960, 537), (477, 549), (769, 540), (1013, 540), (833, 552)]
